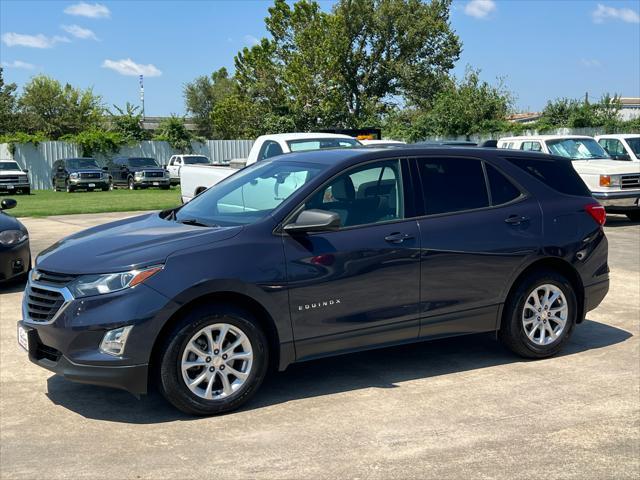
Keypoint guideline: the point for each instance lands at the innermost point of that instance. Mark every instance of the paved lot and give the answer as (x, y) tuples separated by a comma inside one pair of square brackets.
[(457, 408)]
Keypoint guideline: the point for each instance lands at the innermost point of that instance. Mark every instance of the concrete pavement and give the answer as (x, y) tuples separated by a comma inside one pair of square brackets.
[(455, 408)]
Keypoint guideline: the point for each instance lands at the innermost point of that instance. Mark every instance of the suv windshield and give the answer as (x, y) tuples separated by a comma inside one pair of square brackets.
[(142, 162), (195, 160), (249, 195), (634, 145), (320, 143), (577, 148), (9, 166), (77, 163)]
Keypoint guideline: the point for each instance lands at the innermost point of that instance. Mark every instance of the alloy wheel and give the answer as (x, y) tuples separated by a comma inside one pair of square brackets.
[(545, 314), (217, 361)]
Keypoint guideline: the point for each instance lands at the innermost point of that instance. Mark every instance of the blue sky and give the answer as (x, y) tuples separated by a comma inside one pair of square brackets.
[(544, 48)]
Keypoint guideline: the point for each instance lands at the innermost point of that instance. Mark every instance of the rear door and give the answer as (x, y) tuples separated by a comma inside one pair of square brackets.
[(478, 229), (358, 286)]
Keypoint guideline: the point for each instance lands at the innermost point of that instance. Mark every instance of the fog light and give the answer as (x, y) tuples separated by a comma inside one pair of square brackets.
[(114, 341)]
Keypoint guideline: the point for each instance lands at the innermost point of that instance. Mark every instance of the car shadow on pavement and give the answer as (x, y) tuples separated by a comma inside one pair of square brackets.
[(371, 369), (618, 221)]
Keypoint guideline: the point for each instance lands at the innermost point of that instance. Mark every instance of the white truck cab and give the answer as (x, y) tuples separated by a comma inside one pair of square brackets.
[(614, 183), (13, 179), (176, 162), (621, 146), (194, 179)]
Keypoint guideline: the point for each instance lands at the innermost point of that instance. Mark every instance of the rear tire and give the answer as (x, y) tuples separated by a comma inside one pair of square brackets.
[(69, 188), (528, 328), (212, 395), (634, 215)]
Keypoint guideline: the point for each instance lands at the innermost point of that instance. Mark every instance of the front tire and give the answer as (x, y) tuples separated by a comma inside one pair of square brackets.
[(132, 184), (69, 188), (540, 315), (213, 362)]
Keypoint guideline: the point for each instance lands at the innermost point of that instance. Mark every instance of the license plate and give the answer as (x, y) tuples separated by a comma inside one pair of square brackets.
[(23, 338), (10, 187), (91, 185), (155, 184)]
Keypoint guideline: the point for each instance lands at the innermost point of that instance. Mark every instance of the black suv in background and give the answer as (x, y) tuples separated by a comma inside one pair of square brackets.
[(138, 172), (73, 174), (321, 253)]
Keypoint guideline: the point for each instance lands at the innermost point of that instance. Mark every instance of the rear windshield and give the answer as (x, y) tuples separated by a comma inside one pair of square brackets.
[(557, 174), (142, 162), (321, 143), (195, 160), (78, 163)]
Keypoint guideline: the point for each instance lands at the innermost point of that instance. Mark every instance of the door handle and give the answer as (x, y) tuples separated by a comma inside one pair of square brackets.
[(516, 219), (397, 237)]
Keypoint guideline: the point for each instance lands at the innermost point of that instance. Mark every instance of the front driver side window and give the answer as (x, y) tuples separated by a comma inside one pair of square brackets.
[(270, 149), (365, 195)]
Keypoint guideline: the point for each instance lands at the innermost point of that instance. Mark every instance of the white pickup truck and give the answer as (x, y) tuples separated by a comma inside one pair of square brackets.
[(614, 183), (13, 178), (195, 179)]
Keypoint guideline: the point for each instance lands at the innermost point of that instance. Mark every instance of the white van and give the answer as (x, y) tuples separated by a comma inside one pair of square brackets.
[(614, 183)]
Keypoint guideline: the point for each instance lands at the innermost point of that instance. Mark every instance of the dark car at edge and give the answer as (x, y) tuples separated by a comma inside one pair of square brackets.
[(15, 255), (73, 174), (138, 172), (316, 254)]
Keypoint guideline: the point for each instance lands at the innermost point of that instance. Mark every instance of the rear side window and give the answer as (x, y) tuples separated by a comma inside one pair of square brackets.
[(270, 149), (559, 175), (452, 185), (502, 190)]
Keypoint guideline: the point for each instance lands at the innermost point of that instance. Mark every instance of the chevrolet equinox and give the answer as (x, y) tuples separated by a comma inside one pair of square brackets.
[(320, 253)]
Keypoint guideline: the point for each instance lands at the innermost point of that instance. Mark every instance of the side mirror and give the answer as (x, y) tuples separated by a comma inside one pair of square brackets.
[(8, 203), (105, 169), (25, 171), (314, 221)]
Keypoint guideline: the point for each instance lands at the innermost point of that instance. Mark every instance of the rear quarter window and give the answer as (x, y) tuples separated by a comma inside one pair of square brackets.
[(555, 173)]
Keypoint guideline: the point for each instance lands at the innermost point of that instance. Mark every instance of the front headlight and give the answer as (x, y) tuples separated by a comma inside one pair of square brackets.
[(138, 175), (74, 176), (23, 179), (12, 237), (88, 285), (612, 181)]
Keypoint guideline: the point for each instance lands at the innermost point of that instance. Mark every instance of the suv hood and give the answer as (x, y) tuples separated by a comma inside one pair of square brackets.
[(127, 244), (84, 170), (605, 167), (11, 172)]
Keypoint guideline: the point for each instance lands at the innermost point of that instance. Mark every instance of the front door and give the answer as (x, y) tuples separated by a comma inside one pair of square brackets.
[(357, 286)]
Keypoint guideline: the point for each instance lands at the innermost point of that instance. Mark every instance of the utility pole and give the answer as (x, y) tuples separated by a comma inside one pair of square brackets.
[(142, 94)]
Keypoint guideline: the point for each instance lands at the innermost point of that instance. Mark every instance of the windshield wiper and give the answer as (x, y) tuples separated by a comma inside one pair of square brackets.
[(194, 222)]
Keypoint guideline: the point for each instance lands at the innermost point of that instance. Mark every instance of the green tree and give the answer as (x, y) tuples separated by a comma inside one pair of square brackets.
[(173, 130), (56, 110), (203, 94), (8, 106), (127, 122)]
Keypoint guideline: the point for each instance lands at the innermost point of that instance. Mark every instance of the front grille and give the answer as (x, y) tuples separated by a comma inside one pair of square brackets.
[(154, 174), (42, 305), (9, 179), (90, 176), (630, 181), (51, 278)]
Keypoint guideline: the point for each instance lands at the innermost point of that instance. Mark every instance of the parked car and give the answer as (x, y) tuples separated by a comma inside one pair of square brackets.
[(382, 143), (624, 146), (320, 253), (195, 179), (176, 162), (15, 255), (13, 179), (615, 184), (73, 174), (138, 172)]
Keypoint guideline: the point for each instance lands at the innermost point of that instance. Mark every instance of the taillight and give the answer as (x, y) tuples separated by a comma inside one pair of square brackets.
[(597, 212)]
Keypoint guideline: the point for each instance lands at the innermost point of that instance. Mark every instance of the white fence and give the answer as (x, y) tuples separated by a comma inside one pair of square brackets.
[(39, 159)]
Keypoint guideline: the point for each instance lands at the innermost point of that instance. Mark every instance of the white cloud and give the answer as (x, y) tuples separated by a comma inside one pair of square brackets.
[(18, 64), (251, 40), (590, 63), (603, 12), (79, 32), (479, 8), (12, 39), (129, 67), (90, 10)]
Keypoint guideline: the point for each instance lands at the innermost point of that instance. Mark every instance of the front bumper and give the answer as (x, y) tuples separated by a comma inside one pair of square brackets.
[(619, 199), (14, 261), (147, 182), (84, 183), (69, 344), (14, 187)]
